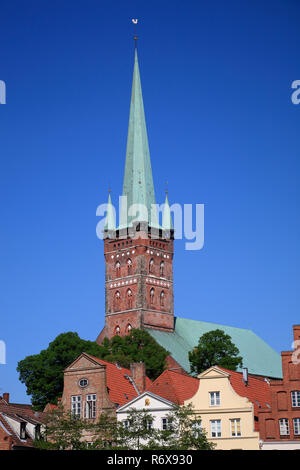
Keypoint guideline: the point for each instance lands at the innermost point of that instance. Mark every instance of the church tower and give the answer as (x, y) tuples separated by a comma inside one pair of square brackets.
[(139, 252)]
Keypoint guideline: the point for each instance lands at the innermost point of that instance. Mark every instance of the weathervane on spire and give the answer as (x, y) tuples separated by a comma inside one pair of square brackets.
[(135, 22)]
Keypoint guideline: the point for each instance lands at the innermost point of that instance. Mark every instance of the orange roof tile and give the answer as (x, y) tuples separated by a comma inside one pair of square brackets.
[(174, 386), (257, 391), (120, 389)]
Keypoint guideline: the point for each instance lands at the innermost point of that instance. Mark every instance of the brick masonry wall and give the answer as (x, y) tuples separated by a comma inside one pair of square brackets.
[(134, 268), (5, 440), (281, 403), (96, 376)]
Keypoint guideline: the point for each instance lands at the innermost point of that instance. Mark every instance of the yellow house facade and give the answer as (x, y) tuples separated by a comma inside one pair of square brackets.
[(227, 417)]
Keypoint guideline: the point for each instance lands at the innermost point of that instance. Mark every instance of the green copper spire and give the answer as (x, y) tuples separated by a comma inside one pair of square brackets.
[(138, 182), (167, 223), (110, 223)]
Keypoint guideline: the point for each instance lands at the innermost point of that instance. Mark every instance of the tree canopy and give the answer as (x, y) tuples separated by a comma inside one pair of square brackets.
[(43, 373), (215, 348)]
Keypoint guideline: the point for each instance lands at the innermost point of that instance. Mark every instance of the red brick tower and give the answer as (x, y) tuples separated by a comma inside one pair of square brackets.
[(138, 253)]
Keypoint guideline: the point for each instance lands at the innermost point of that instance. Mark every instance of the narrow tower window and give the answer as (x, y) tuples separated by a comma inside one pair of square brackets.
[(162, 268), (152, 296), (162, 298), (129, 266), (129, 299), (118, 268), (151, 265), (117, 301)]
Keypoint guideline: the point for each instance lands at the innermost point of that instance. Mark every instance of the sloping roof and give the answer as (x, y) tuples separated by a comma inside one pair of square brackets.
[(258, 391), (258, 356), (19, 413), (120, 389), (174, 386)]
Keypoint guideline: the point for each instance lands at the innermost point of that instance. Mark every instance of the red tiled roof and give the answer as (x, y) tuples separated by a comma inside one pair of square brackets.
[(257, 390), (120, 389), (174, 386)]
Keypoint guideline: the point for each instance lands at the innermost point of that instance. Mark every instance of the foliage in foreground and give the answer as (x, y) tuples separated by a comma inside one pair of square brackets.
[(184, 432)]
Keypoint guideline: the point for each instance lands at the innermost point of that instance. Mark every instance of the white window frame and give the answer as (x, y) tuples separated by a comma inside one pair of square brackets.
[(215, 428), (295, 396), (214, 399), (296, 424), (284, 427), (90, 411), (76, 405), (234, 425), (165, 423)]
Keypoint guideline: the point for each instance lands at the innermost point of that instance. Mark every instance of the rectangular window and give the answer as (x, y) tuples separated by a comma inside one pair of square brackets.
[(76, 405), (296, 426), (126, 424), (214, 398), (91, 406), (284, 428), (235, 427), (165, 424), (149, 424), (215, 428), (23, 430), (296, 398)]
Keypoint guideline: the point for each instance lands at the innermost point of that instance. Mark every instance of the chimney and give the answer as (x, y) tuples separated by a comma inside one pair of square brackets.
[(6, 397), (245, 375), (296, 331), (138, 373)]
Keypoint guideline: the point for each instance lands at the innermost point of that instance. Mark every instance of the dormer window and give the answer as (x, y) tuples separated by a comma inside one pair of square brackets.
[(23, 430)]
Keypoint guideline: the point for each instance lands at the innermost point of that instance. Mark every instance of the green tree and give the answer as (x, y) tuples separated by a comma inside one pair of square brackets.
[(63, 431), (43, 373), (215, 348)]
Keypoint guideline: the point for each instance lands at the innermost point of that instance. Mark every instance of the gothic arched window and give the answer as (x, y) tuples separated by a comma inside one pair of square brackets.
[(129, 299), (117, 301), (152, 296), (128, 328), (162, 267), (162, 298), (151, 264), (117, 330), (129, 266), (118, 268)]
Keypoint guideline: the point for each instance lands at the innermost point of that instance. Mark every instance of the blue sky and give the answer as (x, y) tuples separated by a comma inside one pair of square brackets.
[(216, 79)]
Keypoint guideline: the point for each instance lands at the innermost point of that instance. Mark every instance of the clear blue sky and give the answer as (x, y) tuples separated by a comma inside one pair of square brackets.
[(223, 132)]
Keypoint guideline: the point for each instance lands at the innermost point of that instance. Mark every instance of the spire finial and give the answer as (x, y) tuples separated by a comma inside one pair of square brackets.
[(135, 22), (167, 190)]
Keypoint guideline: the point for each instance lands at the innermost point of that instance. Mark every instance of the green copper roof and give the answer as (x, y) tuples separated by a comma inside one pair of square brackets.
[(167, 223), (110, 223), (138, 181), (258, 356)]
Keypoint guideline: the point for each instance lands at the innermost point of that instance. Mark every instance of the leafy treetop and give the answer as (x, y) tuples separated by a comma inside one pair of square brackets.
[(215, 348)]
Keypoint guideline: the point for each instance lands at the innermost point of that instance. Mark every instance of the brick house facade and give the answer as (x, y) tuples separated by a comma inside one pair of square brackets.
[(93, 386), (280, 425)]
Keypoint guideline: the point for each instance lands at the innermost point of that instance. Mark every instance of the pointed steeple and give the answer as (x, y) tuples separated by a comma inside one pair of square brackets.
[(138, 182), (110, 223), (167, 223)]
